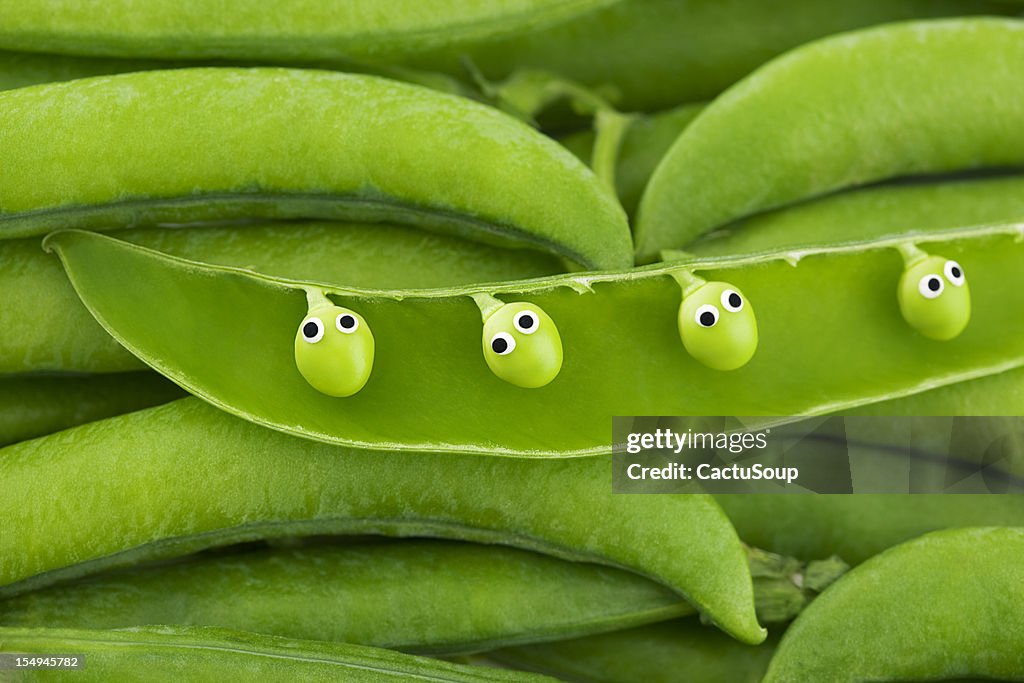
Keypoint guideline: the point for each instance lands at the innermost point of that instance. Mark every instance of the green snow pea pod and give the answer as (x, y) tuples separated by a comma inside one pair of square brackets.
[(171, 653), (951, 602), (190, 321), (278, 30), (667, 652), (420, 596), (870, 213), (520, 341), (34, 406), (333, 347), (822, 117), (324, 145), (933, 294), (50, 330), (215, 480)]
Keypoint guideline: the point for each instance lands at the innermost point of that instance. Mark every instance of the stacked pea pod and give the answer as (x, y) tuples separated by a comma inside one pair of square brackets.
[(403, 318)]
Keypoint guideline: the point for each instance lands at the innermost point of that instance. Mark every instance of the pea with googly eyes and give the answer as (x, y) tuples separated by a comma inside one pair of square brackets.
[(520, 341), (333, 348), (933, 295), (716, 323)]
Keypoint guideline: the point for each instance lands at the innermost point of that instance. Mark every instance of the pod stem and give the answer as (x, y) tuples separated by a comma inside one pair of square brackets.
[(487, 304), (688, 282), (910, 253), (610, 128), (784, 586), (316, 298)]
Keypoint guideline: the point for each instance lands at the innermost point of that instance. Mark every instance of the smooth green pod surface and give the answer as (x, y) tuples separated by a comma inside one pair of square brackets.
[(521, 345), (717, 325), (325, 145), (668, 652), (934, 297), (333, 348), (168, 653), (34, 406), (897, 100), (437, 394), (942, 606), (212, 479), (50, 330)]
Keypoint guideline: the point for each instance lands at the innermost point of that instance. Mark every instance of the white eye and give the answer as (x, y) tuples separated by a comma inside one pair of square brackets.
[(503, 344), (526, 322), (312, 330), (732, 301), (930, 286), (346, 323), (954, 273), (707, 316)]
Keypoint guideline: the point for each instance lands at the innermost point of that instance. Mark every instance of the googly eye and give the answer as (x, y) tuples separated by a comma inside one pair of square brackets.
[(954, 273), (707, 316), (503, 344), (930, 286), (731, 301), (346, 323), (312, 330), (526, 322)]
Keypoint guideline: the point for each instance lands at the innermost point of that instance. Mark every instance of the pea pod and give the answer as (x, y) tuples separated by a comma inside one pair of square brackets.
[(416, 596), (953, 597), (34, 406), (431, 389), (846, 110), (167, 653), (212, 480), (325, 145)]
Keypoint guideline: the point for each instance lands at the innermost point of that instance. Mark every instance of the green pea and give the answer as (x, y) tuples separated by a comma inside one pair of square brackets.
[(212, 480), (522, 346), (333, 348), (951, 600), (435, 392), (717, 326), (211, 655), (934, 297)]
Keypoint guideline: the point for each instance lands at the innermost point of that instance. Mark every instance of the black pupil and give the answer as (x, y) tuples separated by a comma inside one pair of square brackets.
[(499, 345), (526, 322), (955, 271), (348, 322), (310, 330), (735, 300), (934, 284), (707, 318)]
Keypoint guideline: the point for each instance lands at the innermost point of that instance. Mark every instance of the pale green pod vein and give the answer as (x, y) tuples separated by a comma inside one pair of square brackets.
[(902, 99), (949, 604), (432, 391), (175, 479), (210, 655), (195, 145)]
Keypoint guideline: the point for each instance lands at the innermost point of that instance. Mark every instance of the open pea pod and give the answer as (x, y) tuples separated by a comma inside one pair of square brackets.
[(897, 100), (178, 478), (210, 655), (432, 388), (322, 145)]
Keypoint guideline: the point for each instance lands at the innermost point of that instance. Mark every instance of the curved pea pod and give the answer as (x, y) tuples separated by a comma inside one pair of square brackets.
[(953, 599), (324, 145), (667, 652), (34, 406), (171, 653), (50, 330), (431, 389), (214, 480), (897, 100)]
